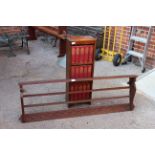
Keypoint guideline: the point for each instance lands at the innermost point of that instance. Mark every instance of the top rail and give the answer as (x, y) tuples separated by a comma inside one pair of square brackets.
[(51, 31), (76, 80)]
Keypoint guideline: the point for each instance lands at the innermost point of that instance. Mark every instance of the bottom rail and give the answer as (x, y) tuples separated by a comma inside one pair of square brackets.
[(75, 112)]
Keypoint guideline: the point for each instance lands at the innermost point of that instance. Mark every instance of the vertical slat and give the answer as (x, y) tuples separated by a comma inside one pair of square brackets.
[(132, 92), (62, 46), (22, 103), (31, 32)]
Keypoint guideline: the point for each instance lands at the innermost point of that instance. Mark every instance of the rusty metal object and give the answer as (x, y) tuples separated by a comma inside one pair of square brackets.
[(76, 111)]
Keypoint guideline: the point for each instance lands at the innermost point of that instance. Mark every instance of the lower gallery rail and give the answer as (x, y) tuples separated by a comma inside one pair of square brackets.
[(77, 111)]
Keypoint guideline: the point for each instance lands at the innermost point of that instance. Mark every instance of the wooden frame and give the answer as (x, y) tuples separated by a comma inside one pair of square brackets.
[(76, 111)]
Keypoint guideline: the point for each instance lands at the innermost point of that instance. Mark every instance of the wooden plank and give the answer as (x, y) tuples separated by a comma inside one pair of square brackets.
[(77, 80), (74, 92), (78, 101), (50, 31), (74, 112)]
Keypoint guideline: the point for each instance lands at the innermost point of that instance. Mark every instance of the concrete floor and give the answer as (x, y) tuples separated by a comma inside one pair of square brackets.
[(42, 65), (146, 84)]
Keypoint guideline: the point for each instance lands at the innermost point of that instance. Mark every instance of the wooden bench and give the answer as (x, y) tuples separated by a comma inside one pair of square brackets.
[(59, 32)]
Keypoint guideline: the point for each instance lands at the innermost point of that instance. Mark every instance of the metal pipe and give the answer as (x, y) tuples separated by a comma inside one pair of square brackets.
[(104, 39), (121, 38), (115, 32), (109, 35)]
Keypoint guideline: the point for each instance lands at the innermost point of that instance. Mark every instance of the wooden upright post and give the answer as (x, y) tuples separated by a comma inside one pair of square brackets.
[(62, 46), (22, 103), (132, 92), (31, 32)]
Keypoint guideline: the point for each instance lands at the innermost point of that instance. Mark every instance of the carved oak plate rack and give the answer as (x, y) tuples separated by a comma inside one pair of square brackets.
[(77, 111)]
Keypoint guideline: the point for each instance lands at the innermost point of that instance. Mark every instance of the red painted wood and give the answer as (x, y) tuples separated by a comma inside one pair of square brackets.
[(80, 65)]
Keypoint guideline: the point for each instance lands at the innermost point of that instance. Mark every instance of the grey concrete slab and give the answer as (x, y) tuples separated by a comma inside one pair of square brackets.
[(146, 84)]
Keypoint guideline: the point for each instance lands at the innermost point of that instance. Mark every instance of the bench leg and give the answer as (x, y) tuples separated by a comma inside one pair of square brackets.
[(27, 46), (25, 42), (55, 42), (10, 53), (32, 34), (132, 92), (62, 48)]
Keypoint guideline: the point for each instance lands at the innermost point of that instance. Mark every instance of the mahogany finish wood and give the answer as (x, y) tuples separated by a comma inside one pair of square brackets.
[(74, 92), (79, 101), (78, 80), (73, 112), (31, 32)]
